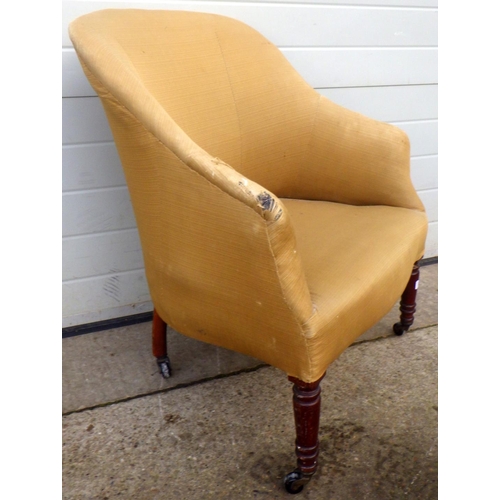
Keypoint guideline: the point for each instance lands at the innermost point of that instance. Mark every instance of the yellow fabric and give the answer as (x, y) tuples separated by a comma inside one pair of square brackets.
[(218, 137), (354, 265)]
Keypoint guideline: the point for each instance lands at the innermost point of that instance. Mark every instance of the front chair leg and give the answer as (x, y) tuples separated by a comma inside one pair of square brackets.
[(408, 303), (306, 409), (160, 345)]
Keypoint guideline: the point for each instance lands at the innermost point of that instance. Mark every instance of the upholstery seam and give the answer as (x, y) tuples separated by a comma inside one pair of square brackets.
[(309, 142), (278, 274), (232, 93)]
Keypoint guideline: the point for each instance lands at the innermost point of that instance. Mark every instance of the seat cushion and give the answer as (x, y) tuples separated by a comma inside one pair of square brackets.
[(357, 261)]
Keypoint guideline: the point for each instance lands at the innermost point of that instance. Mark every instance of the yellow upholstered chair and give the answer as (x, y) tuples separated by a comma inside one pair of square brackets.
[(273, 222)]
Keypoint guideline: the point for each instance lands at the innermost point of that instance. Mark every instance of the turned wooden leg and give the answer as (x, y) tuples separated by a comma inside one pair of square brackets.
[(160, 345), (306, 409), (408, 303)]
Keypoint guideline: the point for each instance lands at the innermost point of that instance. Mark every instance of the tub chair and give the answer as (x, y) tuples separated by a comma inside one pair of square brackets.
[(273, 222)]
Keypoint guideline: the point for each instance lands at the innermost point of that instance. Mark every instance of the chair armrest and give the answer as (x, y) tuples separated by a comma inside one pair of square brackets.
[(280, 232), (356, 160)]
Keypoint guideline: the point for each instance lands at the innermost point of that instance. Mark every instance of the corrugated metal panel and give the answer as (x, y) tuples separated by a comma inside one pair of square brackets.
[(91, 166), (105, 297), (89, 212), (101, 253), (370, 23), (424, 172), (389, 103)]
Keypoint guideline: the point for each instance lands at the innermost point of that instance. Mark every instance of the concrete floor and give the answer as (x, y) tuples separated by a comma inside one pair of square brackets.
[(222, 426)]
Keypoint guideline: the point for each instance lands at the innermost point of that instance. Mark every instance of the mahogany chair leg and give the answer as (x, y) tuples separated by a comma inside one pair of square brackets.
[(408, 304), (160, 345), (306, 409)]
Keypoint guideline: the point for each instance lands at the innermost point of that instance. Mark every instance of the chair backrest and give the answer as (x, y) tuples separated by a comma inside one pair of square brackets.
[(223, 83)]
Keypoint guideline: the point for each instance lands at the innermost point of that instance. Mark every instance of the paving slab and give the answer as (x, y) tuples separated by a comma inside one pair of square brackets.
[(116, 365), (232, 438)]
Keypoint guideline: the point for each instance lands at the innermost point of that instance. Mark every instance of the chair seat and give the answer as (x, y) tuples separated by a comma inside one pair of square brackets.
[(356, 261)]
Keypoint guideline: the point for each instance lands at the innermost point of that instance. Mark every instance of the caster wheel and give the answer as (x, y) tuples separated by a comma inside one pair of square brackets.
[(398, 329), (164, 367), (295, 481)]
